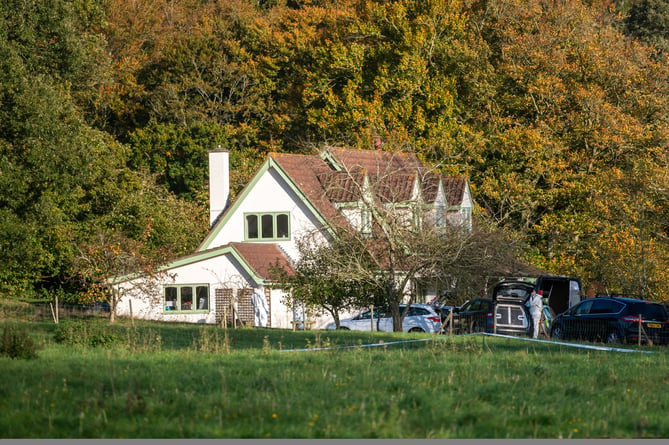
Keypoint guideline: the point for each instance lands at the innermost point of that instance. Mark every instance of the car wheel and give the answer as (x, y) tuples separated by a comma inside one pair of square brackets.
[(476, 328), (343, 328), (557, 332), (613, 337), (416, 330)]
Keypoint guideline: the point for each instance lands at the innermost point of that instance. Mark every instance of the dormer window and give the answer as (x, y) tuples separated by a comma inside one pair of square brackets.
[(266, 226)]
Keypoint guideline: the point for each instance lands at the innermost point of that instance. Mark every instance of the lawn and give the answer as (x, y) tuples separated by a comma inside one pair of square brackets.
[(152, 380)]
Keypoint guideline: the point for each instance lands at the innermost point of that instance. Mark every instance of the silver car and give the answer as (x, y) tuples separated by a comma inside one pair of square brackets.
[(420, 318)]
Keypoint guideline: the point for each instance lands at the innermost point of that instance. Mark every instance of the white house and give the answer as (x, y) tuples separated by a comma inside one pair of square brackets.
[(289, 196)]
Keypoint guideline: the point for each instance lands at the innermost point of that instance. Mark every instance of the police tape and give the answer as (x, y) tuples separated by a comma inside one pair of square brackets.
[(552, 342), (571, 345)]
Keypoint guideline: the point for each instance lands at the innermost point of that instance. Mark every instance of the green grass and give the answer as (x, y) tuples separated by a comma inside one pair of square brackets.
[(180, 381)]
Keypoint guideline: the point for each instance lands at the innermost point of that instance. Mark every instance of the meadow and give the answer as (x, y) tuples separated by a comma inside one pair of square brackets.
[(152, 380)]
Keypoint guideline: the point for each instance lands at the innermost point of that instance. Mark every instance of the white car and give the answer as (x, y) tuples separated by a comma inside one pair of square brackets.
[(420, 318)]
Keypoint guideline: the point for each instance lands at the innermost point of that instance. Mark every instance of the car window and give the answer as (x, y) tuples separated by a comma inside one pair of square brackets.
[(417, 311), (648, 311), (363, 316), (515, 293), (583, 308), (602, 306)]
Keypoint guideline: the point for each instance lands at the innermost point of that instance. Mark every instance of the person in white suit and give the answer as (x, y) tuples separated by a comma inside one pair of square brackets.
[(536, 305), (260, 307)]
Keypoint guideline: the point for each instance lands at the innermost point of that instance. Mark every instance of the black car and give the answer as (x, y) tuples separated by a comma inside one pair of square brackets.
[(512, 316), (441, 306), (613, 320)]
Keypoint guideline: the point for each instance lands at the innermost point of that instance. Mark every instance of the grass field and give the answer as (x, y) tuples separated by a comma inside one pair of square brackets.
[(185, 381)]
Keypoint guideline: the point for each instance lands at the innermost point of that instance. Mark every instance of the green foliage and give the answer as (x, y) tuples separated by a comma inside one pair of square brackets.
[(16, 342), (87, 333), (559, 119), (648, 20)]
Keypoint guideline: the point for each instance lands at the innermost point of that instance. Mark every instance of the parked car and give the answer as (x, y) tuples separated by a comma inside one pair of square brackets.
[(420, 318), (511, 312), (613, 320), (441, 306), (560, 292)]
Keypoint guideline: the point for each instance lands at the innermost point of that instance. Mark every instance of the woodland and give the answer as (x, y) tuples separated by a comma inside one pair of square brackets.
[(556, 110)]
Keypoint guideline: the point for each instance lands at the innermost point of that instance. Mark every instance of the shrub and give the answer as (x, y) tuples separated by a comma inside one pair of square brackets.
[(17, 343), (82, 333)]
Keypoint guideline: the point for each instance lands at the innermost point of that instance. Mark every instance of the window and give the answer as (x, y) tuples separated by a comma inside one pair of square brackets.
[(267, 226), (583, 308), (187, 297)]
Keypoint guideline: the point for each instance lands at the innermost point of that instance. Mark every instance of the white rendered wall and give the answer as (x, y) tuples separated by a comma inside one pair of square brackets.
[(268, 195)]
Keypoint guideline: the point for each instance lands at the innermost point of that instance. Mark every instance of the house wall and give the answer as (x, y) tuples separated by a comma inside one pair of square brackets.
[(145, 298), (269, 194)]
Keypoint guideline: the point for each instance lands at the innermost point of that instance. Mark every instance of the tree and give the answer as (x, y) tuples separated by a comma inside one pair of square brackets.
[(648, 20), (578, 116), (317, 281), (110, 256), (390, 239)]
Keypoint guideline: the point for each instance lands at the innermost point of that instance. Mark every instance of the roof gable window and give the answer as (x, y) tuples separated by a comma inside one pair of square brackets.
[(266, 226)]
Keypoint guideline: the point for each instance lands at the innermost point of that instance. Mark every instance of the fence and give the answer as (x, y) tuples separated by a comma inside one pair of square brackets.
[(48, 311), (603, 330)]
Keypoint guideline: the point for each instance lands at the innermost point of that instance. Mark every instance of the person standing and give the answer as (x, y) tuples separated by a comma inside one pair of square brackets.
[(260, 308), (536, 304)]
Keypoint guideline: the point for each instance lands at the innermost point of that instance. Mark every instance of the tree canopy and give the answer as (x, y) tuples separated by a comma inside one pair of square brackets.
[(557, 112)]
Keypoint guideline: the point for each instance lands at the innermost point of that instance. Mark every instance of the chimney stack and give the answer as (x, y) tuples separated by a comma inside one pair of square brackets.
[(219, 183)]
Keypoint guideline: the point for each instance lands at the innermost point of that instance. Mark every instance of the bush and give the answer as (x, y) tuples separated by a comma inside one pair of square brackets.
[(82, 333), (17, 343)]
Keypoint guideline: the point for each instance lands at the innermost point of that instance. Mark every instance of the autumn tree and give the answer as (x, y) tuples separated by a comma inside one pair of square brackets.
[(578, 120)]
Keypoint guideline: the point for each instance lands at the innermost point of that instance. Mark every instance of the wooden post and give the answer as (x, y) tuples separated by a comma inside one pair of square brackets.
[(132, 318), (53, 314)]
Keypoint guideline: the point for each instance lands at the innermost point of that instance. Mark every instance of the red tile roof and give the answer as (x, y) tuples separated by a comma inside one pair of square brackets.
[(336, 176), (262, 256)]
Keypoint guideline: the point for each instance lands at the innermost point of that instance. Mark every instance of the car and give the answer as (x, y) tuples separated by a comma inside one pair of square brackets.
[(613, 320), (560, 292), (512, 316), (420, 318), (440, 305)]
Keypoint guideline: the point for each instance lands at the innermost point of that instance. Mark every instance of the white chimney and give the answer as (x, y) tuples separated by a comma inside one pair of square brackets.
[(219, 183)]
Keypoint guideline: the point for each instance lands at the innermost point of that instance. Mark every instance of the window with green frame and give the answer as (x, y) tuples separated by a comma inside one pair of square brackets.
[(267, 226), (186, 297)]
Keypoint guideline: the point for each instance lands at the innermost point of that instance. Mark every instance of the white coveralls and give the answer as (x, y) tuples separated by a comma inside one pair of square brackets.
[(536, 308), (260, 308)]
